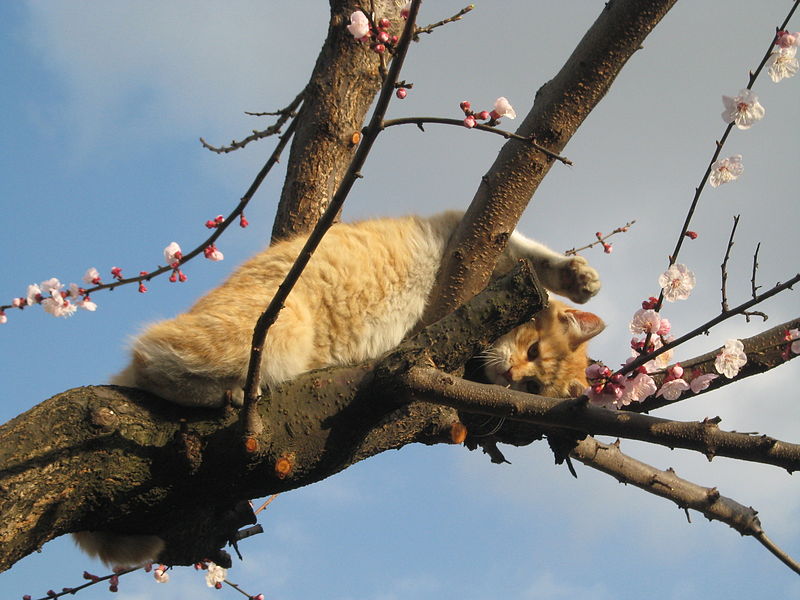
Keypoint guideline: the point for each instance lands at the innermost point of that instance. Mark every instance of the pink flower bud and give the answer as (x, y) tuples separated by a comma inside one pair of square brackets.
[(210, 224), (379, 48), (692, 235), (608, 248), (483, 115), (465, 106), (243, 222), (394, 39), (384, 23), (116, 272), (676, 371), (383, 37), (401, 93), (470, 122)]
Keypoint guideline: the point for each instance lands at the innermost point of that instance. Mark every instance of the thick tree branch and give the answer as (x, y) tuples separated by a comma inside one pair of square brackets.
[(339, 93), (135, 463), (708, 501), (560, 107), (430, 385)]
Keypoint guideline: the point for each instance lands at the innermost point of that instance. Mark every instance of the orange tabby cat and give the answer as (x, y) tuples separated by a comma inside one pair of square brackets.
[(546, 356), (364, 289)]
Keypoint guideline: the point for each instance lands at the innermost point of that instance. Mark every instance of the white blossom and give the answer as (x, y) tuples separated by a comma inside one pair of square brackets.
[(744, 109), (503, 108), (677, 282), (730, 359), (58, 306), (359, 25), (92, 276), (783, 63), (726, 170), (645, 321), (172, 253), (34, 291), (215, 574)]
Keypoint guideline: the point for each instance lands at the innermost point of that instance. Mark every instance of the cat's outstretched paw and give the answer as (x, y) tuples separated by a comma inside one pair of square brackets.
[(577, 280)]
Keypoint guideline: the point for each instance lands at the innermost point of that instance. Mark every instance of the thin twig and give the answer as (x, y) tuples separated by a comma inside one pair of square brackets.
[(724, 265), (266, 504), (420, 121), (218, 230), (754, 288), (601, 238), (284, 114), (455, 17)]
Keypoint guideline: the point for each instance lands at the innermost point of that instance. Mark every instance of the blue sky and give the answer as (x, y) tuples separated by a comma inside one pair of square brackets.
[(102, 107)]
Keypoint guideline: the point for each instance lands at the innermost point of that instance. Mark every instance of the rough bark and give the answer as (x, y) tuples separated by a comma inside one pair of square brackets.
[(134, 463), (339, 93)]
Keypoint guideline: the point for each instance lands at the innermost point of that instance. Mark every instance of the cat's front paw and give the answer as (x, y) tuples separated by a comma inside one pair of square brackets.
[(578, 281)]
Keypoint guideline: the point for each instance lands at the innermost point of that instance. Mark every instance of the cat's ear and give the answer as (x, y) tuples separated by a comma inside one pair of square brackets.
[(583, 325)]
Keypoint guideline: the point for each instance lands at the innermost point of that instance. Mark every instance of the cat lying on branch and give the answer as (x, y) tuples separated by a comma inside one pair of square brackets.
[(364, 289)]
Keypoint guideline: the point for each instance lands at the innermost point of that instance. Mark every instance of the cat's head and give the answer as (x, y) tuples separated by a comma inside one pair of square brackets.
[(547, 355)]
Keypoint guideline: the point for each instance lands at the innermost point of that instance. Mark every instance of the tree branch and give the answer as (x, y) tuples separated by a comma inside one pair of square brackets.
[(430, 385), (708, 501), (561, 105)]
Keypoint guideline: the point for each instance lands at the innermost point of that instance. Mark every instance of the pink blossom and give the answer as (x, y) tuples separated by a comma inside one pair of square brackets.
[(645, 321), (672, 389), (19, 302), (664, 327), (675, 371), (172, 253), (677, 282), (3, 317), (701, 382), (604, 399), (786, 39), (502, 108), (637, 389), (726, 170), (744, 109), (730, 359), (359, 25), (597, 371), (406, 10), (794, 334), (783, 64)]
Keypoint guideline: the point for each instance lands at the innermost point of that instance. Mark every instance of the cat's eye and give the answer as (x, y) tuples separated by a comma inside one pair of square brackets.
[(533, 351)]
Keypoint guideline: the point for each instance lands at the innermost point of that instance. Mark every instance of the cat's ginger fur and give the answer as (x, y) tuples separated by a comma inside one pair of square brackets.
[(363, 290)]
